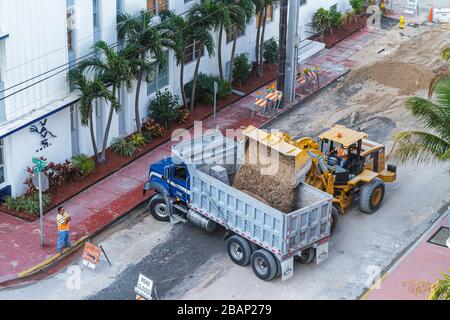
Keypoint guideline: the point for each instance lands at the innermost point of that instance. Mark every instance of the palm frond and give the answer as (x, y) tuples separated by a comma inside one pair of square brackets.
[(422, 147)]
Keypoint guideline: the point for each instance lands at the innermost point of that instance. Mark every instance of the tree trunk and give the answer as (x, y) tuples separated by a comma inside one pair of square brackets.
[(136, 101), (194, 83), (94, 143), (282, 53), (219, 53), (183, 92), (233, 53), (108, 127), (258, 37), (263, 31)]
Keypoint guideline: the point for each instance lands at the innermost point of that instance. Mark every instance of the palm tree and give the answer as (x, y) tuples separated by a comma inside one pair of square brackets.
[(443, 73), (241, 13), (259, 12), (223, 22), (143, 41), (433, 145), (176, 29), (114, 70), (267, 4), (201, 18), (90, 91)]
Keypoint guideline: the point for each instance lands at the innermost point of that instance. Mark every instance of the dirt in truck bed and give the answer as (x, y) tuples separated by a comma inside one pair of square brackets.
[(273, 185)]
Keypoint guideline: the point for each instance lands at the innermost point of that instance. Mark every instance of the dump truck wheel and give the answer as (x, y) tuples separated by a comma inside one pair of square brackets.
[(306, 256), (239, 250), (334, 219), (158, 208), (371, 195), (264, 265)]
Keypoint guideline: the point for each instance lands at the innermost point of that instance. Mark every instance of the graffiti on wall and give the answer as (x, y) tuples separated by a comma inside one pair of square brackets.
[(45, 134)]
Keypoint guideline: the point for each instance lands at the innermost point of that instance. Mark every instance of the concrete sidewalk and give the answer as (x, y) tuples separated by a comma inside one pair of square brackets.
[(422, 264), (104, 203)]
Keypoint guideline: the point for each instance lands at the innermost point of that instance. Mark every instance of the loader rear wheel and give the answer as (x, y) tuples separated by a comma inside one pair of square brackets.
[(239, 250), (371, 195), (264, 265), (334, 219), (158, 208), (306, 256)]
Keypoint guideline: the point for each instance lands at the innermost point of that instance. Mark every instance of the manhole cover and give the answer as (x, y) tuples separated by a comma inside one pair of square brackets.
[(440, 237)]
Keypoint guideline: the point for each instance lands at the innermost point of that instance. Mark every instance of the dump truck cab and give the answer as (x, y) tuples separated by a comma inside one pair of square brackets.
[(170, 180)]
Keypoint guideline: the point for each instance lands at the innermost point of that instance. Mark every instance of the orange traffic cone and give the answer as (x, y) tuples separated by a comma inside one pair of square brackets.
[(430, 15)]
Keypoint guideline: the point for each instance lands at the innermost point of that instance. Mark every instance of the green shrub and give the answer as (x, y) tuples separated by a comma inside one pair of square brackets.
[(164, 107), (137, 139), (148, 136), (270, 51), (205, 88), (242, 68), (357, 5), (84, 163), (123, 147), (337, 19), (348, 16), (322, 20), (28, 203)]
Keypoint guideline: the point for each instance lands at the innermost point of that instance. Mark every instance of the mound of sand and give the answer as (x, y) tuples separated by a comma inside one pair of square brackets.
[(408, 78)]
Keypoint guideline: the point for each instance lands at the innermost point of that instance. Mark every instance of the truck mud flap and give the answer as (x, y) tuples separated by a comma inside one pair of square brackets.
[(287, 269), (321, 252)]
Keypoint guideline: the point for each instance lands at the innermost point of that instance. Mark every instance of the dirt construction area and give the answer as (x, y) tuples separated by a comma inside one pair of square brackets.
[(372, 95)]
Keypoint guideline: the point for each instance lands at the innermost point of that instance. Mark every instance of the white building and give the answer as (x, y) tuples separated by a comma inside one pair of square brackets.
[(38, 42)]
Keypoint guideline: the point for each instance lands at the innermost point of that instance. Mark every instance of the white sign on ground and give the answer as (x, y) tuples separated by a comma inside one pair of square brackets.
[(441, 15), (412, 6), (144, 287)]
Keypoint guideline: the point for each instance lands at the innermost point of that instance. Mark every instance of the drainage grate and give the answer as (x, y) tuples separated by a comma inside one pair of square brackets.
[(440, 237)]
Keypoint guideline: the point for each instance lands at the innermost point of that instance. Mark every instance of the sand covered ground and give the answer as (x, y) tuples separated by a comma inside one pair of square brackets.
[(396, 65)]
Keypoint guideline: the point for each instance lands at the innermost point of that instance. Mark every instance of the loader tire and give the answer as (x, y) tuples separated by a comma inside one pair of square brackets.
[(334, 219), (239, 250), (264, 265), (158, 208), (371, 195)]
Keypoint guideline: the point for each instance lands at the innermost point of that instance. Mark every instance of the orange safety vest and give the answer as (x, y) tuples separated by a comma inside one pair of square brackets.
[(62, 226), (341, 151)]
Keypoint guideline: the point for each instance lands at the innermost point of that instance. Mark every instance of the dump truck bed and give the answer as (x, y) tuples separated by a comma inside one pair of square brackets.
[(284, 234)]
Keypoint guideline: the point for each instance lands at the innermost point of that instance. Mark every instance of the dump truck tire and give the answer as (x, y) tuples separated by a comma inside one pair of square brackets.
[(334, 219), (371, 195), (264, 265), (306, 256), (239, 250), (158, 208)]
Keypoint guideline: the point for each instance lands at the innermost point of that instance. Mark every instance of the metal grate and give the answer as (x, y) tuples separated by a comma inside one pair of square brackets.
[(440, 237)]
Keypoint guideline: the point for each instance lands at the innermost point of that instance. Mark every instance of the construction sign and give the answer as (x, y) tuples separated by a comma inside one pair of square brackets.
[(144, 288), (412, 6), (91, 255)]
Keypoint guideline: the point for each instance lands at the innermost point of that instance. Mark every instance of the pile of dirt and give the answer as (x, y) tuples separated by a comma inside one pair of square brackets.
[(272, 182), (408, 78)]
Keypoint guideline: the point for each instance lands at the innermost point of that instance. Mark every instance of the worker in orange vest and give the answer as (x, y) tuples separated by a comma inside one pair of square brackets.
[(63, 219), (342, 153)]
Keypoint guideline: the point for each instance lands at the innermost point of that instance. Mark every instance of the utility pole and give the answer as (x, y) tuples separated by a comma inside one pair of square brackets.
[(282, 46), (291, 51)]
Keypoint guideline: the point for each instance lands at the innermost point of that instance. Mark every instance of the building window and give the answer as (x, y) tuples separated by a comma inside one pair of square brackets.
[(227, 69), (269, 16), (157, 6), (160, 78), (95, 14), (302, 2), (240, 33), (192, 51), (2, 84), (2, 162)]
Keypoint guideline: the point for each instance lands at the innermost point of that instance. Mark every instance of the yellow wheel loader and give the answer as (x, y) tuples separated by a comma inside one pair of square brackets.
[(344, 164)]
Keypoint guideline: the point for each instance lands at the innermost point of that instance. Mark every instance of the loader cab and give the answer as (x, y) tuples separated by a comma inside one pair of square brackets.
[(342, 148)]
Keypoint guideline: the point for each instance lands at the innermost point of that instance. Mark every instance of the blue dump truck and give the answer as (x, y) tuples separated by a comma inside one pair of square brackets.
[(195, 185)]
